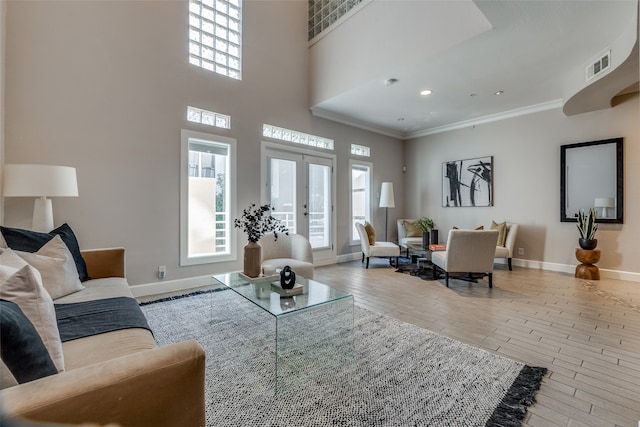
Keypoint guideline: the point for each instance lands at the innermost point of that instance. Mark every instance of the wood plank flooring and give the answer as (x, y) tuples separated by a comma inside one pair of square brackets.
[(587, 333)]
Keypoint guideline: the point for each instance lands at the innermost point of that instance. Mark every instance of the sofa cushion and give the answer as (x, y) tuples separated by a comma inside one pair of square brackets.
[(411, 230), (22, 349), (21, 283), (502, 231), (31, 241), (55, 264), (371, 233)]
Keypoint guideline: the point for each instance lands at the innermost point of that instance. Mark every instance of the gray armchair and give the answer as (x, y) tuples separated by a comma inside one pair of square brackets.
[(468, 251)]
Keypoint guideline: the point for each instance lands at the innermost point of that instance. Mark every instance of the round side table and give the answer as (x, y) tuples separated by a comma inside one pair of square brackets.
[(587, 270)]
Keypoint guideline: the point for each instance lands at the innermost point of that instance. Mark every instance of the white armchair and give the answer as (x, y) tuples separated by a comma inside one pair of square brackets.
[(507, 250), (293, 250), (379, 249), (403, 239), (468, 251)]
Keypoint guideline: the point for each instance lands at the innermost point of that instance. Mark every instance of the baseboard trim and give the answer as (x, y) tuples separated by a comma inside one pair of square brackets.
[(155, 288), (571, 269)]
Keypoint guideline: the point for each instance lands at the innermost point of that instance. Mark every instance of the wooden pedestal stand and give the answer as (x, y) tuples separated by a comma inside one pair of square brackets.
[(587, 270)]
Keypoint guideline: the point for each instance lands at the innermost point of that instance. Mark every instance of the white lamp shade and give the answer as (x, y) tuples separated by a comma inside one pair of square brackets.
[(386, 196), (604, 202), (22, 180)]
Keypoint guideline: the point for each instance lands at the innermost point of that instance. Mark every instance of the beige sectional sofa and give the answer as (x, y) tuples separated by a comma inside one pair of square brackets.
[(119, 377)]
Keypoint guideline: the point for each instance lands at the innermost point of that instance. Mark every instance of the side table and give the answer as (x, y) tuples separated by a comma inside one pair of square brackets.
[(587, 270)]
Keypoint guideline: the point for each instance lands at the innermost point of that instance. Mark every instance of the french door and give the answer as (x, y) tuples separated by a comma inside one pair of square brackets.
[(300, 188)]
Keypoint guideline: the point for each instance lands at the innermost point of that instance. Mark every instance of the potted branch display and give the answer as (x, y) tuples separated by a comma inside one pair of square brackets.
[(256, 222), (425, 225), (587, 227)]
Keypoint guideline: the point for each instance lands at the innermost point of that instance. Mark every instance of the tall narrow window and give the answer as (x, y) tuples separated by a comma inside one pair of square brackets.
[(207, 180), (360, 196), (215, 36)]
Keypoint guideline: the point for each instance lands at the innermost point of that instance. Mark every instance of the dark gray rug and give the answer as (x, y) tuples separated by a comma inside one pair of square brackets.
[(399, 375)]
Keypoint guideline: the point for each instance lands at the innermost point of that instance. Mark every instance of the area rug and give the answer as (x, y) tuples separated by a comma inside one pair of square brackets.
[(399, 375)]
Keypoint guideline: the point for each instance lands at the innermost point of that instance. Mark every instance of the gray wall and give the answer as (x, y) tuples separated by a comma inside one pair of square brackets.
[(103, 86), (526, 156)]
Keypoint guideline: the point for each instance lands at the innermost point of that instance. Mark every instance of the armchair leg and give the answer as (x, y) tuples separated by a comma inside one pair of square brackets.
[(491, 279), (446, 278), (367, 263), (362, 256), (509, 261)]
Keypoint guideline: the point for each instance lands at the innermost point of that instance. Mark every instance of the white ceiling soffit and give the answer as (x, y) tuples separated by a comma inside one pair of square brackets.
[(464, 51), (623, 73)]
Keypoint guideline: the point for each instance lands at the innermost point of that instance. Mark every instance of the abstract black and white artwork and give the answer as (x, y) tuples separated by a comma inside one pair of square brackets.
[(468, 182)]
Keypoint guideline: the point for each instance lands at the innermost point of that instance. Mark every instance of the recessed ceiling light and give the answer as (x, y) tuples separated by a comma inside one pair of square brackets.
[(500, 92), (390, 82), (401, 119), (425, 92), (473, 94)]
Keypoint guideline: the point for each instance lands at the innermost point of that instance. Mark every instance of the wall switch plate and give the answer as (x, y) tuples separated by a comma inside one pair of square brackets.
[(520, 251), (162, 271)]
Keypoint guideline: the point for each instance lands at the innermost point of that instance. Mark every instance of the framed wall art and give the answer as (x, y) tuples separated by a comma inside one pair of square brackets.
[(468, 182)]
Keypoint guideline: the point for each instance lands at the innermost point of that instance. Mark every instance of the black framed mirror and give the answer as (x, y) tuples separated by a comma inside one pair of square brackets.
[(591, 176)]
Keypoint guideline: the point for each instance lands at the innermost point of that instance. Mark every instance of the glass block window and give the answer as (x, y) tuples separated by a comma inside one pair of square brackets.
[(211, 118), (215, 36), (323, 13), (296, 137), (360, 150)]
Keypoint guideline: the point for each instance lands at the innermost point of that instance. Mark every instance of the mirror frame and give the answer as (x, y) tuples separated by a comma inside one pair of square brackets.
[(618, 167)]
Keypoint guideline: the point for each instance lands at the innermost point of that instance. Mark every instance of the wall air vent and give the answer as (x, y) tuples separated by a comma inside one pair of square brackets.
[(599, 65)]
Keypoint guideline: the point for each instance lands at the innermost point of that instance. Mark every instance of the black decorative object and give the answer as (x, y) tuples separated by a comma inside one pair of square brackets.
[(433, 236), (287, 278), (588, 244), (425, 240)]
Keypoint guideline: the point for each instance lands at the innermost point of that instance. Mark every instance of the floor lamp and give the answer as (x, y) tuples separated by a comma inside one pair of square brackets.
[(386, 201), (40, 181)]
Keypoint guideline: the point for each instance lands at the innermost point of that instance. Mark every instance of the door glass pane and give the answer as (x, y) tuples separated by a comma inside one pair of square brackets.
[(319, 205), (283, 192)]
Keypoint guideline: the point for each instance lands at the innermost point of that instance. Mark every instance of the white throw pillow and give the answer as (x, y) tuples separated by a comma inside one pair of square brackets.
[(56, 266), (22, 284)]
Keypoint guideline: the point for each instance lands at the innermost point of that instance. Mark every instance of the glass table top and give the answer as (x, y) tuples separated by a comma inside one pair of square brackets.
[(313, 294)]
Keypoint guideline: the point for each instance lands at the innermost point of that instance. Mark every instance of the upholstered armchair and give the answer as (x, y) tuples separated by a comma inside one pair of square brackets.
[(378, 249), (403, 238), (507, 250), (468, 251), (293, 250)]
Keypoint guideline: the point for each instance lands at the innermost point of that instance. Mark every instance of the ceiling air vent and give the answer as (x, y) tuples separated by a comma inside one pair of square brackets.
[(599, 65)]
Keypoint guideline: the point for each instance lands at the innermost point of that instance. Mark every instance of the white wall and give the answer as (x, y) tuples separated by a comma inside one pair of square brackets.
[(103, 86), (526, 156)]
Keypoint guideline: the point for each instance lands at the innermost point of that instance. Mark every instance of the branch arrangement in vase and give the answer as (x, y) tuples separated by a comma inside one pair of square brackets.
[(257, 221), (424, 224)]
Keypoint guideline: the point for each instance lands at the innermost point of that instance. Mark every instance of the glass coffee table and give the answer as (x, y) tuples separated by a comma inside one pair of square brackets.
[(421, 257), (313, 330)]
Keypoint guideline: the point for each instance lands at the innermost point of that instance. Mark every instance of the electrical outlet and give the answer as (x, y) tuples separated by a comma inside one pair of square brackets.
[(520, 251), (162, 271)]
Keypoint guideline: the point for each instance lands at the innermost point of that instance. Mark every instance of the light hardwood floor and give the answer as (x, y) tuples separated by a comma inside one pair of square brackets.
[(587, 333)]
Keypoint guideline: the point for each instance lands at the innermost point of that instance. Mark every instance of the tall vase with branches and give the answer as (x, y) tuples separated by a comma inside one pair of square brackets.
[(256, 221)]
